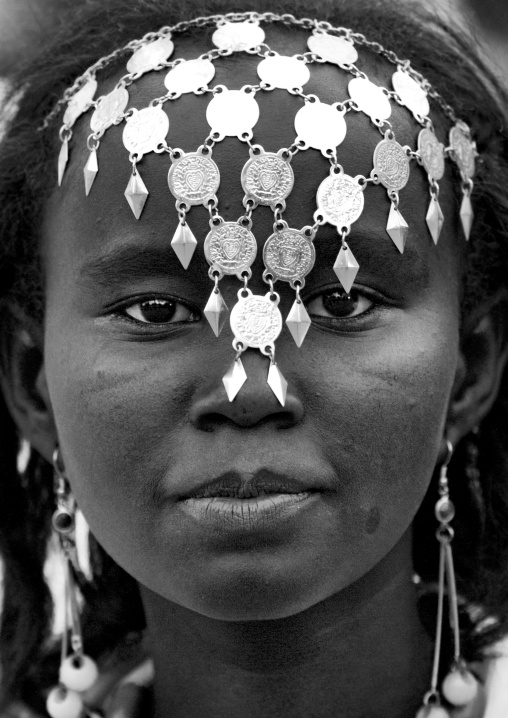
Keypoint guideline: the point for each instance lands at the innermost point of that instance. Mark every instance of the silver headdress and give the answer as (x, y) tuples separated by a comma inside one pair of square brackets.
[(267, 178)]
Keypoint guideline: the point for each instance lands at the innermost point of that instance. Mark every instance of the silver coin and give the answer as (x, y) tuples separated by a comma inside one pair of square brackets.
[(267, 179), (194, 178), (333, 49), (256, 321), (289, 255), (320, 126), (148, 57), (189, 76), (238, 36), (431, 153), (413, 96), (464, 150), (230, 248), (231, 113), (370, 98), (79, 102), (283, 72), (391, 165), (109, 107), (145, 130), (340, 200)]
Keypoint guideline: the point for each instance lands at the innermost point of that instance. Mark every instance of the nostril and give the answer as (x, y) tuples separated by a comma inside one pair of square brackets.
[(213, 421)]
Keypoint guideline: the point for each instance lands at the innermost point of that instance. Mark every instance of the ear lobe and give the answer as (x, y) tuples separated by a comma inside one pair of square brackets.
[(483, 357), (23, 382)]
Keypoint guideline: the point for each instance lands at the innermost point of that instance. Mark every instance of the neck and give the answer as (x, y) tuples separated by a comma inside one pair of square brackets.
[(361, 652)]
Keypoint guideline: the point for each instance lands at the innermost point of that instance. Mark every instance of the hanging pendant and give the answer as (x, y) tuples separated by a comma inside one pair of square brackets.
[(277, 383), (234, 378), (298, 322), (194, 179), (435, 219), (397, 228), (230, 248), (63, 158), (267, 178), (184, 243), (466, 215), (346, 267), (216, 311), (136, 194), (90, 171), (340, 200)]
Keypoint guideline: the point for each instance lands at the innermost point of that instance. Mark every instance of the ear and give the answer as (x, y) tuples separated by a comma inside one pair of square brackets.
[(482, 360), (23, 383)]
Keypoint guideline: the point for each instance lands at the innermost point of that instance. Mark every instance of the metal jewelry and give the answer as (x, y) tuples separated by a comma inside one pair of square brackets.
[(459, 686), (267, 177), (78, 672)]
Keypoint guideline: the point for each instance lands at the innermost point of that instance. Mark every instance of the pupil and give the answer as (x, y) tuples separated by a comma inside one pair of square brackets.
[(158, 311), (339, 303)]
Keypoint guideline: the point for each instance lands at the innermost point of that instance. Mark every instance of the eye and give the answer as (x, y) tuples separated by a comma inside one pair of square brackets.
[(337, 304), (160, 311)]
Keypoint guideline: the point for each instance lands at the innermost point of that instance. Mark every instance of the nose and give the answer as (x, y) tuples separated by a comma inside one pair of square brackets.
[(255, 404)]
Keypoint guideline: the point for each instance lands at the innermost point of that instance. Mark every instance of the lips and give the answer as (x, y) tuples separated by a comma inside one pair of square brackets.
[(234, 485)]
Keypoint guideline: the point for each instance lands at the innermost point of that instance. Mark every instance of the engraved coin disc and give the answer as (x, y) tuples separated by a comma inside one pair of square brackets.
[(194, 178), (340, 200), (370, 98), (238, 36), (320, 126), (283, 72), (413, 96), (431, 153), (145, 130), (289, 255), (109, 107), (189, 76), (464, 150), (230, 248), (267, 179), (333, 49), (255, 320), (391, 165), (232, 113), (79, 102), (148, 57)]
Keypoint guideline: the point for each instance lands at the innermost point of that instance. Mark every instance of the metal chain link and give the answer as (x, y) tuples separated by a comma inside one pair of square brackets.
[(268, 17)]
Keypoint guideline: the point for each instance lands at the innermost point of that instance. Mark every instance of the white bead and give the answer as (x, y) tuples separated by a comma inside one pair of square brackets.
[(460, 688), (78, 673), (64, 704), (432, 712)]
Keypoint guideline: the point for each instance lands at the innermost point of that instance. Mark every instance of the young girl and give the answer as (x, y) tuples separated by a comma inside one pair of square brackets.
[(254, 327)]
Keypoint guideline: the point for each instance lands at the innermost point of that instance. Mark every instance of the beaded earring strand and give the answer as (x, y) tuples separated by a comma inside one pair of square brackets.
[(78, 672)]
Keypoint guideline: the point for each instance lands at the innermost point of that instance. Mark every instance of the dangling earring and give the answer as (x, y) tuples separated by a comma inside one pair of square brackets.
[(78, 672), (459, 686)]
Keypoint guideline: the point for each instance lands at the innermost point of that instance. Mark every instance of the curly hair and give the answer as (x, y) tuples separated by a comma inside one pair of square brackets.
[(27, 158)]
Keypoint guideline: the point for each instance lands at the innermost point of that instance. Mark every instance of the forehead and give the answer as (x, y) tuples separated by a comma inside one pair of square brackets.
[(105, 217)]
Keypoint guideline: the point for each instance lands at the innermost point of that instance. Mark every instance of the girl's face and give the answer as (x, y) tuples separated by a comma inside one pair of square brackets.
[(136, 384)]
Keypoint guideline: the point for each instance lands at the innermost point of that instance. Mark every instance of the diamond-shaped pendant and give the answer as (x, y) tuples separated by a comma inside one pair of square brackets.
[(216, 311), (184, 243), (298, 322), (397, 228), (346, 268), (90, 171), (136, 194), (435, 219), (277, 383), (234, 379), (63, 158), (466, 215)]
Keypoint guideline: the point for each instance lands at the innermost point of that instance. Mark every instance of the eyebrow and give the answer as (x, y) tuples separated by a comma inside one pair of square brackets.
[(126, 262)]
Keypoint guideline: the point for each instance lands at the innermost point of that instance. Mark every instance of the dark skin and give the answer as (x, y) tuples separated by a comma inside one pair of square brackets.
[(313, 616)]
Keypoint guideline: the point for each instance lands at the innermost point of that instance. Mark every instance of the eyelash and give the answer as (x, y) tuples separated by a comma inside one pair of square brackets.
[(120, 312)]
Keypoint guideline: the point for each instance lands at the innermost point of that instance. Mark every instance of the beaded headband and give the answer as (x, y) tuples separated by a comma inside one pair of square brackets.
[(267, 178)]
